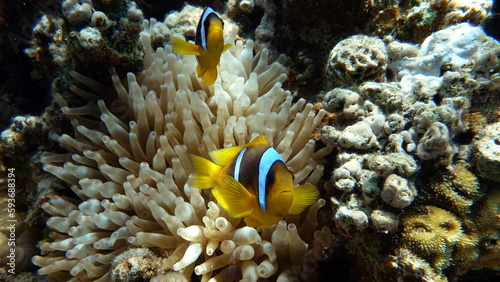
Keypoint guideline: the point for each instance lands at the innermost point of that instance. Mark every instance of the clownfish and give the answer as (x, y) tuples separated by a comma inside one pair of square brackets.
[(252, 181), (208, 47)]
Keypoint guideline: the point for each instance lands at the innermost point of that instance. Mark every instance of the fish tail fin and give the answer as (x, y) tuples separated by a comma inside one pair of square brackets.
[(304, 195), (234, 198), (205, 172), (183, 47), (209, 76)]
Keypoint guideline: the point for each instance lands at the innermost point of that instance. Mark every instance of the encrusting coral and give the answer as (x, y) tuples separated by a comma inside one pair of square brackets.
[(129, 166)]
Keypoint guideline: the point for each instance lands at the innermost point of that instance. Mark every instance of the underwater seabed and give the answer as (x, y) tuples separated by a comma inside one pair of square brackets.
[(390, 109)]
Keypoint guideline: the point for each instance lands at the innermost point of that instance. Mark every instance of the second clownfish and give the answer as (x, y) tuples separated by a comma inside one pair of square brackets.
[(208, 47), (252, 181)]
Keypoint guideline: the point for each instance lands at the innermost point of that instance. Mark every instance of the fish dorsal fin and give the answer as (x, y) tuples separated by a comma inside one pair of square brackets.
[(259, 140), (223, 157), (234, 198)]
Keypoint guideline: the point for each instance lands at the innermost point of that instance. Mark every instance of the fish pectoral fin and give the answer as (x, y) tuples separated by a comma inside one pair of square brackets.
[(205, 172), (226, 47), (183, 47), (304, 195), (234, 198), (209, 76)]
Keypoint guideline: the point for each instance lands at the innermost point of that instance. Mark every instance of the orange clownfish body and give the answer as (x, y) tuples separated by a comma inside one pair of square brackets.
[(208, 47), (252, 181)]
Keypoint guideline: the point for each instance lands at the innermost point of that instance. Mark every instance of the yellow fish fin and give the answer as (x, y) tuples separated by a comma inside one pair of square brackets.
[(227, 46), (209, 76), (259, 140), (200, 71), (224, 156), (234, 198), (304, 195), (205, 172), (184, 48)]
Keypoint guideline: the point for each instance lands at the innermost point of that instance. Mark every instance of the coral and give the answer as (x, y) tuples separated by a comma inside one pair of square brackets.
[(77, 11), (436, 143), (486, 151), (474, 12), (89, 36), (358, 136), (344, 100), (452, 48), (384, 221), (23, 135), (388, 96), (397, 192), (476, 121), (431, 233), (466, 233), (184, 22), (134, 264), (345, 176), (457, 83), (481, 248), (128, 165), (349, 218), (410, 266), (356, 59), (457, 189), (414, 20)]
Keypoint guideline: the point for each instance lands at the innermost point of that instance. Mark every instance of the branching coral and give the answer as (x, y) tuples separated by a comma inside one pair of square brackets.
[(129, 167)]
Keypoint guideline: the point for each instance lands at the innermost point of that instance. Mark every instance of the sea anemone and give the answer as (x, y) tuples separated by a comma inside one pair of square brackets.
[(129, 167)]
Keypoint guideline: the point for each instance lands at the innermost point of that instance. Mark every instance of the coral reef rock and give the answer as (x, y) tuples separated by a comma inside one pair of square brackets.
[(486, 151)]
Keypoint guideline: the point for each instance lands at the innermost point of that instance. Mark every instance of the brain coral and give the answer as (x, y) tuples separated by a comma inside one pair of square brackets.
[(129, 167), (357, 59)]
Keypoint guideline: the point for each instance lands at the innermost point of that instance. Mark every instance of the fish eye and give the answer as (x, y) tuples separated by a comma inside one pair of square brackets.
[(271, 177)]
